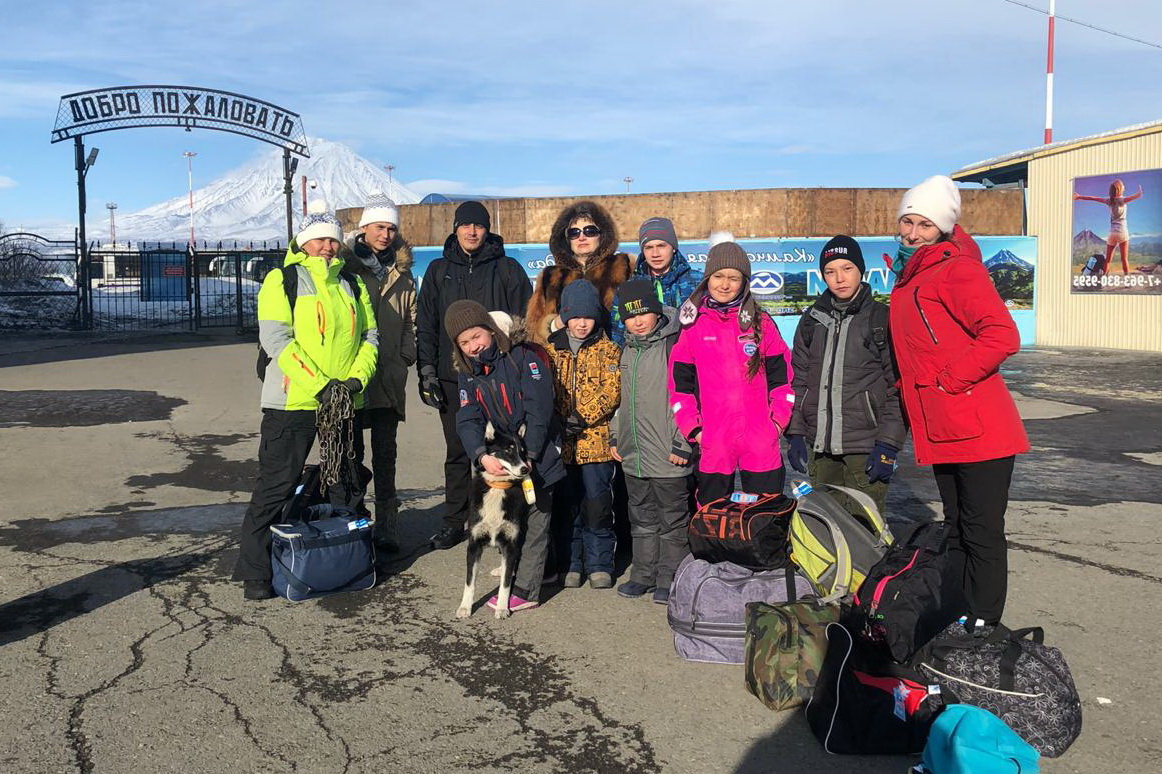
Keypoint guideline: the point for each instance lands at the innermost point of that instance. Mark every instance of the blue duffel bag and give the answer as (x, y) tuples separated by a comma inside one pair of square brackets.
[(331, 551)]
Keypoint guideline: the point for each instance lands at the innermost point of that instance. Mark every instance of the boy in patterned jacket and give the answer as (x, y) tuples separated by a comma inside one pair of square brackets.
[(587, 379)]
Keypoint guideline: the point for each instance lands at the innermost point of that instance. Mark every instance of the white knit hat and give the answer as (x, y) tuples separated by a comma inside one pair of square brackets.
[(320, 223), (937, 199), (379, 209)]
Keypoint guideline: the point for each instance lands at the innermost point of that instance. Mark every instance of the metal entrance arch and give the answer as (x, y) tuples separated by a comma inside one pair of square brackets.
[(185, 107)]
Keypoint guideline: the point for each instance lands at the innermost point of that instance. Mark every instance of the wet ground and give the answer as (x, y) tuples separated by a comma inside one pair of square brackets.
[(126, 469)]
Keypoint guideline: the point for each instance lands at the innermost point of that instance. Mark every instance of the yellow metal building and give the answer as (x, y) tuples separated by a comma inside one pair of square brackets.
[(1063, 317)]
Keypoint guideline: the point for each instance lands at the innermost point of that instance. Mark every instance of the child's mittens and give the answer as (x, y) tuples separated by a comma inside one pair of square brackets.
[(881, 463), (797, 453)]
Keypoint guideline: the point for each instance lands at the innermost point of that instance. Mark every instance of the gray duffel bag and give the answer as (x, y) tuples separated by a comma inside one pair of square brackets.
[(707, 609)]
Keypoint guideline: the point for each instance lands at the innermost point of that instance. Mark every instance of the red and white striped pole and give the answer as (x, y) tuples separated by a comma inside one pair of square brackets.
[(1049, 77)]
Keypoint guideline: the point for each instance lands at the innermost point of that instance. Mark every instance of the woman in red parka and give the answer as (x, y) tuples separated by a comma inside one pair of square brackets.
[(950, 333)]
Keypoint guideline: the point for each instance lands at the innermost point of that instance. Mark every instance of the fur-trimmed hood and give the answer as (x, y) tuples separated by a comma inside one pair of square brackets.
[(507, 331), (355, 251), (559, 243)]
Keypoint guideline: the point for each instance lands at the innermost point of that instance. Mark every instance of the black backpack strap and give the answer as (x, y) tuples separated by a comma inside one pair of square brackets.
[(290, 286), (879, 326), (792, 594), (352, 282)]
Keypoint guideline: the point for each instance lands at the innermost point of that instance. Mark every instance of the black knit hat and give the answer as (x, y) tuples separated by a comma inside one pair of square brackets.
[(464, 314), (638, 296), (472, 212), (841, 246)]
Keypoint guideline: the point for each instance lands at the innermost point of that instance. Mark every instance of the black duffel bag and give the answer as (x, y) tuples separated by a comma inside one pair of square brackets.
[(751, 534)]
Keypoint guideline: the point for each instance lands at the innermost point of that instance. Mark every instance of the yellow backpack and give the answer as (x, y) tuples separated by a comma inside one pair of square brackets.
[(837, 535)]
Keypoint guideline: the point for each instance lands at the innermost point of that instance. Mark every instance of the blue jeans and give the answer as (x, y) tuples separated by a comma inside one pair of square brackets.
[(589, 539)]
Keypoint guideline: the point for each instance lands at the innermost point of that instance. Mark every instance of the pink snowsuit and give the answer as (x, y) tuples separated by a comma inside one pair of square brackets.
[(740, 419)]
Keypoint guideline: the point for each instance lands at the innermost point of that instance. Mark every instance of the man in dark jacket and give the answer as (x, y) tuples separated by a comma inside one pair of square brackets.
[(473, 267), (847, 405), (382, 258)]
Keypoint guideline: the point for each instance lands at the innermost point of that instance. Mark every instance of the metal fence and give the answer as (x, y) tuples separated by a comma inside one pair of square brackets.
[(38, 282), (148, 287)]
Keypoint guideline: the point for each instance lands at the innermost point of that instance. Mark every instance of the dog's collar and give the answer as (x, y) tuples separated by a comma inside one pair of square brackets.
[(499, 484)]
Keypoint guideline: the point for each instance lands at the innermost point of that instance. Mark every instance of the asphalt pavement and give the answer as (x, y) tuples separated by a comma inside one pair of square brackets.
[(125, 648)]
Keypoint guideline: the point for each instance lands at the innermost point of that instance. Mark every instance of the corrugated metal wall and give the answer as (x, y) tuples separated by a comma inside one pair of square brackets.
[(1090, 319)]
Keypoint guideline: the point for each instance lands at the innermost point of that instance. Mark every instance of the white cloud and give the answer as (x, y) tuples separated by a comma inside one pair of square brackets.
[(6, 182)]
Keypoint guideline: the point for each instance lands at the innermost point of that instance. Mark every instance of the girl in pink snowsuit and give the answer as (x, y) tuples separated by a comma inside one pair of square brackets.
[(730, 380)]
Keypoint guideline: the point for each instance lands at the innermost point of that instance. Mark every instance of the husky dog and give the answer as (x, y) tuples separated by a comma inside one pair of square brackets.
[(497, 512)]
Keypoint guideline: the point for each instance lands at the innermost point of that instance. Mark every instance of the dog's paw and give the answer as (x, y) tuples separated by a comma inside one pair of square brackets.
[(463, 612), (503, 612)]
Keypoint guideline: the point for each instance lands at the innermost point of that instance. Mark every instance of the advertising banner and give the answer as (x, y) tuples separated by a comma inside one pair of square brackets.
[(785, 274), (1117, 234)]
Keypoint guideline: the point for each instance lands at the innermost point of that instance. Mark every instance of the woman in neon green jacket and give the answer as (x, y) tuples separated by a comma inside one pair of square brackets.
[(327, 341)]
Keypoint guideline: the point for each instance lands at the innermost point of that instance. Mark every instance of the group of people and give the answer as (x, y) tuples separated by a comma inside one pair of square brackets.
[(677, 380)]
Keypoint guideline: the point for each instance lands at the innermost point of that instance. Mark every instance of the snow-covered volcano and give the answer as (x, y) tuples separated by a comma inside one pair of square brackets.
[(248, 203)]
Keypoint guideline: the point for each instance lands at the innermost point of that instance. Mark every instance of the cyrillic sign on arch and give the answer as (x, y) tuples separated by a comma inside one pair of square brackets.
[(185, 107)]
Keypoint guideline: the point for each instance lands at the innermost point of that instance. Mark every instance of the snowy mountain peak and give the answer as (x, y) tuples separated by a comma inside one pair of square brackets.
[(1007, 259), (248, 203)]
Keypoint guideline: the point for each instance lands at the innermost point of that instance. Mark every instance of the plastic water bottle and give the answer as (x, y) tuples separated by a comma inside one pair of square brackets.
[(530, 491)]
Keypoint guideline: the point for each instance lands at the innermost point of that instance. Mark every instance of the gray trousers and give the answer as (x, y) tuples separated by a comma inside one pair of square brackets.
[(534, 552), (659, 512)]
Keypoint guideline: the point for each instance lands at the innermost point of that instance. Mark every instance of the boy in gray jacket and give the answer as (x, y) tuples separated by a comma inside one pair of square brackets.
[(847, 407), (654, 456)]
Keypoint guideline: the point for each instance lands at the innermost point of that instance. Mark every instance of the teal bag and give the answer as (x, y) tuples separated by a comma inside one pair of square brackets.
[(970, 740)]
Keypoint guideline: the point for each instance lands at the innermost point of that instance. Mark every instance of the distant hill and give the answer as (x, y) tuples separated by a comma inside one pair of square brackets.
[(1086, 242)]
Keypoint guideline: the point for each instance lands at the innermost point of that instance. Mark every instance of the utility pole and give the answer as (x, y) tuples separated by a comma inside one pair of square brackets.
[(190, 176), (627, 180), (111, 206), (1049, 77), (390, 168)]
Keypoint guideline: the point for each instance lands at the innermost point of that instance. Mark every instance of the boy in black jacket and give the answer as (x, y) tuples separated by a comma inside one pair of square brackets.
[(508, 382), (847, 408)]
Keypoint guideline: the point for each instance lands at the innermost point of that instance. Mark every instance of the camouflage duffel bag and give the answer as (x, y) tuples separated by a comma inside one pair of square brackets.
[(785, 646)]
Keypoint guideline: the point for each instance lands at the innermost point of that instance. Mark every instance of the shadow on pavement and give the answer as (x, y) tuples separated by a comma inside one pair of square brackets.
[(20, 349), (40, 611), (792, 749)]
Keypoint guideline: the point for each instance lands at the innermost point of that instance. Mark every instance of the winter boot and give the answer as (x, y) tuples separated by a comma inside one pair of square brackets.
[(386, 530)]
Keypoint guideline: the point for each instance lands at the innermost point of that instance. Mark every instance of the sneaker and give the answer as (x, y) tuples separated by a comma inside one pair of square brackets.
[(662, 596), (515, 603), (447, 538), (633, 589), (256, 590), (600, 580), (572, 580)]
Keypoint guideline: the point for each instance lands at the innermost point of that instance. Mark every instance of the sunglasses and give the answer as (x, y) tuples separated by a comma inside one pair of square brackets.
[(589, 231)]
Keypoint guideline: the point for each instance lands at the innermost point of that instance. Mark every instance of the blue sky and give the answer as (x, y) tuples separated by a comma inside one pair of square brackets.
[(541, 98)]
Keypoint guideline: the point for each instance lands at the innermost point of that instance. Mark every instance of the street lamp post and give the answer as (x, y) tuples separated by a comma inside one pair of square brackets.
[(627, 180), (190, 176), (112, 223), (389, 168)]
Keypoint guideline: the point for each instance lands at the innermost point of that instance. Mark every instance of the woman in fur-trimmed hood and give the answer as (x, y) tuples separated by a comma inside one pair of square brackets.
[(584, 245)]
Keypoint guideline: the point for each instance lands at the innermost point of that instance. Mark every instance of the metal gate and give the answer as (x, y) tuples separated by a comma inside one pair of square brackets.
[(38, 282), (225, 286)]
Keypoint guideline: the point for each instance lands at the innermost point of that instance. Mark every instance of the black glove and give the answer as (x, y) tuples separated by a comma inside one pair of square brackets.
[(575, 425), (431, 393), (797, 453), (881, 463), (324, 395), (353, 385)]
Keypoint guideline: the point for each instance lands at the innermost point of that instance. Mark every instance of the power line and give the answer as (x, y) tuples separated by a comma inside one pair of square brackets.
[(1085, 24)]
